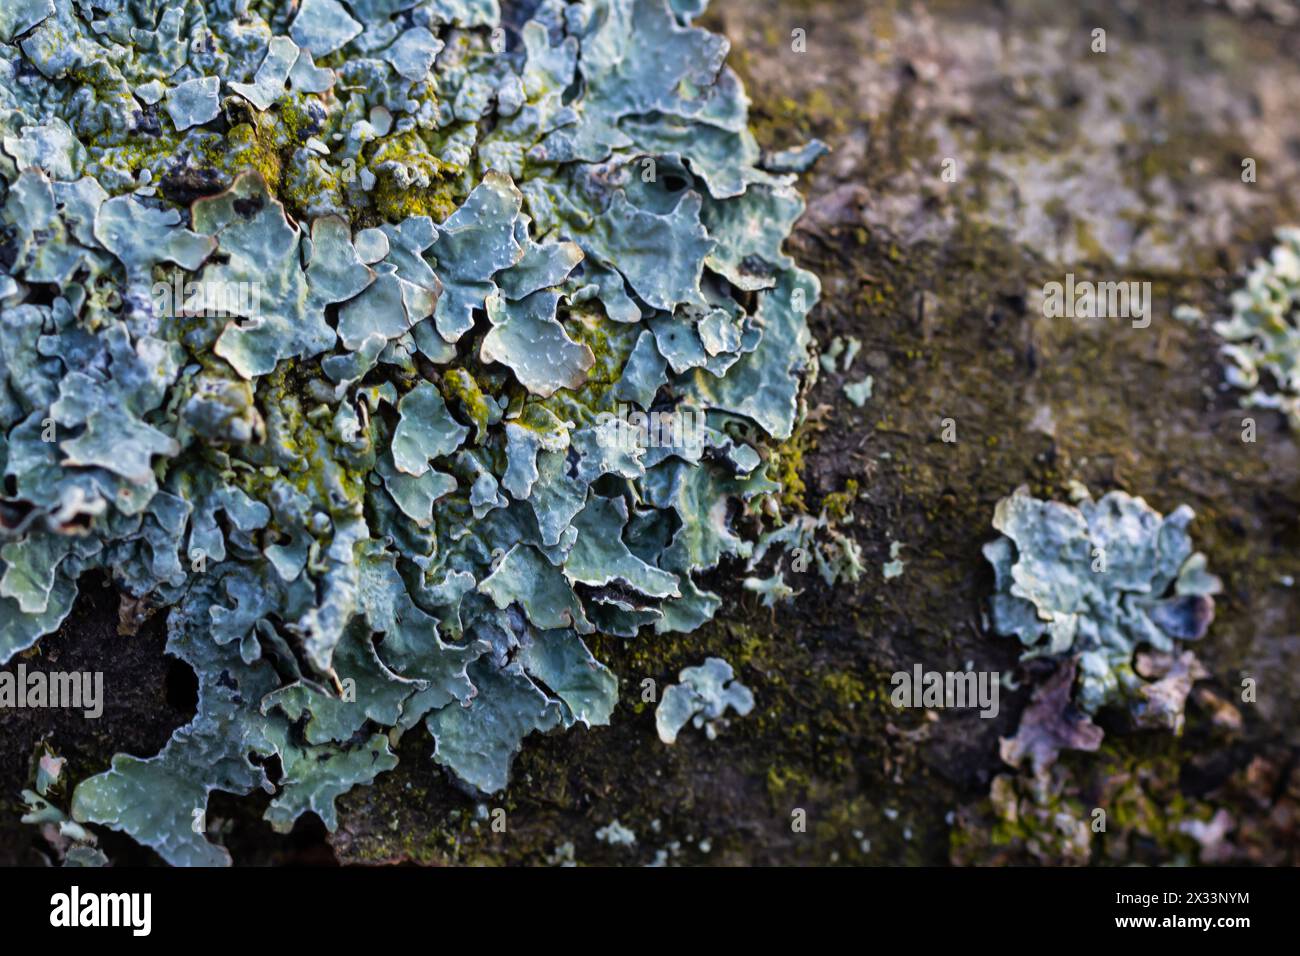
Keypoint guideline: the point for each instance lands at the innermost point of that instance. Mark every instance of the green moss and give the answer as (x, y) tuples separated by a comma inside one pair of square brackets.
[(297, 119), (784, 783), (461, 389), (838, 504), (309, 460), (785, 466), (847, 689), (395, 200), (252, 145)]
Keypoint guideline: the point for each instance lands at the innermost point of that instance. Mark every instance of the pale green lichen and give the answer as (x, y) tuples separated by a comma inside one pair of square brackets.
[(1264, 332), (1087, 587), (315, 331), (69, 842), (703, 698), (894, 567)]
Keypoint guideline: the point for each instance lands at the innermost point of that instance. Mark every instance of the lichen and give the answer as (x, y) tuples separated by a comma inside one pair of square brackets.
[(1263, 334), (1094, 582), (703, 697), (350, 418), (1105, 592)]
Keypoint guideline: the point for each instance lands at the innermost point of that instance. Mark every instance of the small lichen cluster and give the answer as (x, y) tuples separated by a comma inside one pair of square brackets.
[(317, 321), (703, 698), (69, 842), (1088, 586), (1101, 594), (1264, 332)]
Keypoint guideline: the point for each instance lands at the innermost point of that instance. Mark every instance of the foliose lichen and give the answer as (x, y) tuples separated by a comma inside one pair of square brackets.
[(703, 698), (320, 325), (1101, 594), (1263, 335), (69, 842), (1087, 586)]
